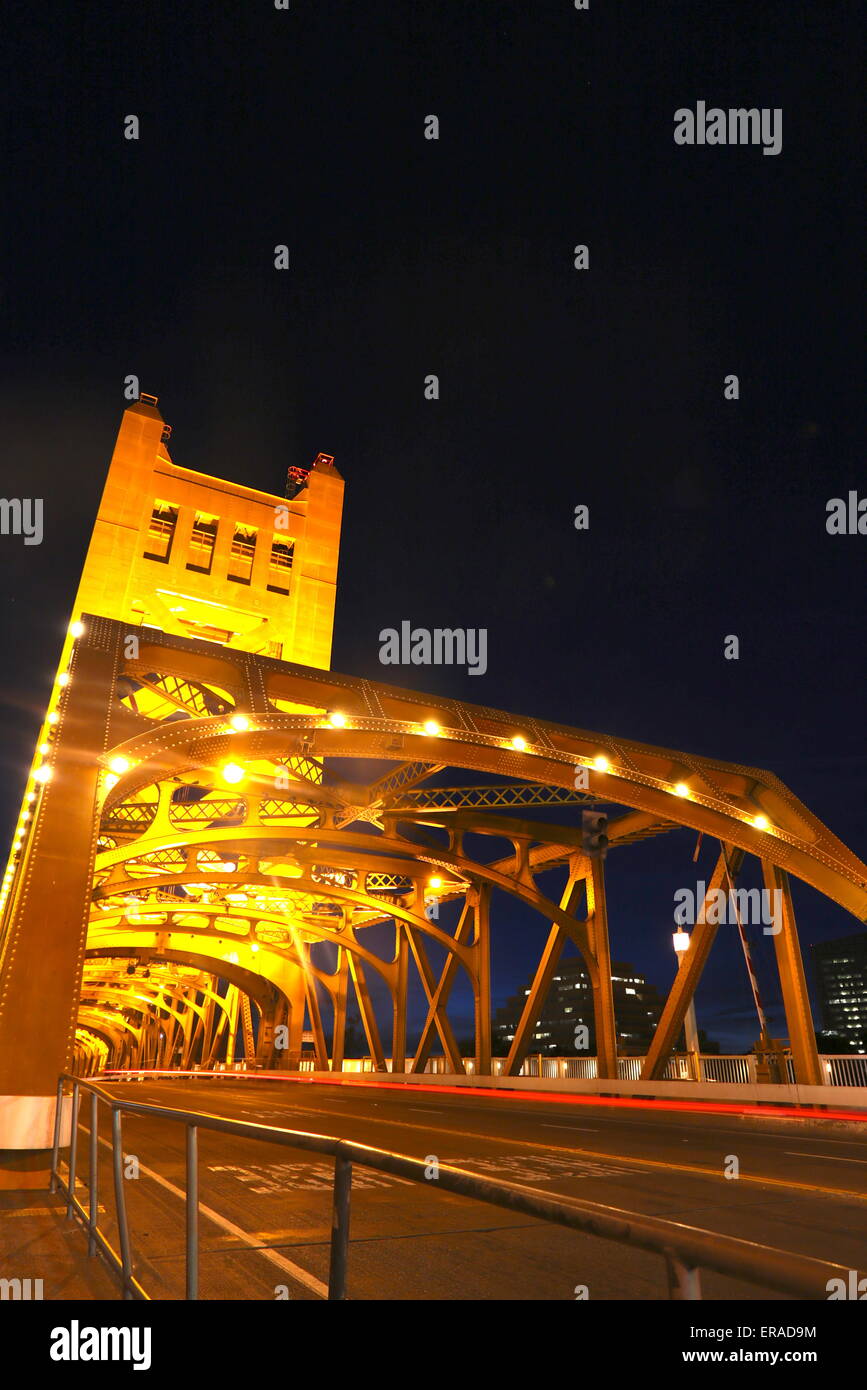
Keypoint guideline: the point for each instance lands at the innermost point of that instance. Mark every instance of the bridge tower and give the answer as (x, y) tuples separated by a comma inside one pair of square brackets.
[(181, 553)]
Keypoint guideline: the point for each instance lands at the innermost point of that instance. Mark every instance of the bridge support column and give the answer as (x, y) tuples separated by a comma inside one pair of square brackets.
[(339, 998), (482, 987), (796, 1000), (43, 949), (398, 1030), (267, 1057), (368, 1017), (603, 994)]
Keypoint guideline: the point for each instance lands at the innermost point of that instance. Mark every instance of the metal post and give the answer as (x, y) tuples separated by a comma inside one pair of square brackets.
[(73, 1145), (340, 1229), (94, 1179), (192, 1213), (55, 1152), (690, 1028), (120, 1197), (684, 1282)]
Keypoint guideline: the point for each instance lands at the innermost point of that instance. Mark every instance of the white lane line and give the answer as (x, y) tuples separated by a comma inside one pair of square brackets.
[(829, 1158), (424, 1110), (297, 1273), (583, 1128)]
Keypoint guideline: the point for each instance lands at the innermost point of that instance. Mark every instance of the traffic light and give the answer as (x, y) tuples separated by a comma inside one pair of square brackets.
[(594, 836)]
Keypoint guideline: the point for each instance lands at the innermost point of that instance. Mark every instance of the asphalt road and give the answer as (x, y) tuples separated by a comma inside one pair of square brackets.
[(266, 1212)]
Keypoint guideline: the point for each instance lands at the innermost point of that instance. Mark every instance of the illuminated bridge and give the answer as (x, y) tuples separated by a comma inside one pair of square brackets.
[(203, 871)]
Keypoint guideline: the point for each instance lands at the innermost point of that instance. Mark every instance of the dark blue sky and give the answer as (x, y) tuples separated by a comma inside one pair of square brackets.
[(558, 387)]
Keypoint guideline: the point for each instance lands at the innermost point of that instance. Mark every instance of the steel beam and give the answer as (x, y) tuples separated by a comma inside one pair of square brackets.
[(793, 984), (688, 975)]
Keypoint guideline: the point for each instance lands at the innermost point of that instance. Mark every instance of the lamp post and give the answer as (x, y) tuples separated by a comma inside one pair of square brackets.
[(681, 946)]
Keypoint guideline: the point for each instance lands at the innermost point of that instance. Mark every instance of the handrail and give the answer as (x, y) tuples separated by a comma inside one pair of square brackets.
[(685, 1249)]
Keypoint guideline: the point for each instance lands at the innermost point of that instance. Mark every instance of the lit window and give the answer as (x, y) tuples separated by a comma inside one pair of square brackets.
[(202, 543), (242, 552), (161, 531), (282, 556)]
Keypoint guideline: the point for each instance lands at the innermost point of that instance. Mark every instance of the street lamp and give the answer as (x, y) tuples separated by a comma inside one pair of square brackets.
[(681, 946)]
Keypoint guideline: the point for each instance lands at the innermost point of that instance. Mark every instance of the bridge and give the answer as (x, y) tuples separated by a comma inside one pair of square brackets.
[(218, 833)]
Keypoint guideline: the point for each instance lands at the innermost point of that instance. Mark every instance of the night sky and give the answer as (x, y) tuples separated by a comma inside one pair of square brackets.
[(558, 387)]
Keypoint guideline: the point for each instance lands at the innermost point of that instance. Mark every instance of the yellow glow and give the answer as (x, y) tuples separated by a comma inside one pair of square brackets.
[(681, 941), (53, 717), (434, 882), (119, 765), (239, 723), (681, 789), (110, 781), (762, 823), (31, 796), (232, 773), (601, 763), (430, 726), (44, 747), (43, 774), (63, 678), (336, 719), (254, 948), (76, 629), (519, 743)]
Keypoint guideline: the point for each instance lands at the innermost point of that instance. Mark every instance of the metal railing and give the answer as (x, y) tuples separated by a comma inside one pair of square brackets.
[(685, 1249), (845, 1069), (735, 1069)]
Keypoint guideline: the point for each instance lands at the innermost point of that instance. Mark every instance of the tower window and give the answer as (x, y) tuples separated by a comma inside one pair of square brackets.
[(161, 531), (242, 553), (202, 543), (282, 555)]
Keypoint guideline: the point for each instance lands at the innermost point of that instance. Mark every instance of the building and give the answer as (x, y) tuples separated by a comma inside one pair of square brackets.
[(637, 1007), (841, 977)]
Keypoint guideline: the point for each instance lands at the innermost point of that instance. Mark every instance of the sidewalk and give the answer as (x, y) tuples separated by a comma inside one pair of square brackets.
[(38, 1242)]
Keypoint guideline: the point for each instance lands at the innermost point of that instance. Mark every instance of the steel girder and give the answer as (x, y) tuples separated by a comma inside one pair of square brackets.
[(61, 874)]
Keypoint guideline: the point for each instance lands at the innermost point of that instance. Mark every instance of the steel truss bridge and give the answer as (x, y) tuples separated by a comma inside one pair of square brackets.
[(190, 829)]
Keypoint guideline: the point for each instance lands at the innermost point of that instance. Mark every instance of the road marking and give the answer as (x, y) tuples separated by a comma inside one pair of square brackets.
[(424, 1110), (276, 1178), (829, 1158), (520, 1168), (650, 1163), (308, 1280)]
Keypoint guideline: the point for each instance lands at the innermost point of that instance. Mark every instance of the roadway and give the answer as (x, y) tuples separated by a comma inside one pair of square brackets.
[(266, 1211)]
